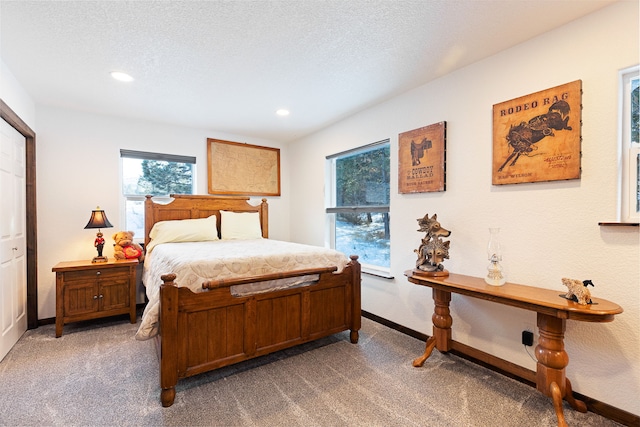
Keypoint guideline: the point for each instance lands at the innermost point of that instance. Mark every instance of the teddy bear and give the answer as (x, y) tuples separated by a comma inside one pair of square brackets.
[(125, 248)]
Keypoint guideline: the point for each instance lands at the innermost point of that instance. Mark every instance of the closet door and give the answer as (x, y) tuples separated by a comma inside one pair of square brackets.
[(13, 265)]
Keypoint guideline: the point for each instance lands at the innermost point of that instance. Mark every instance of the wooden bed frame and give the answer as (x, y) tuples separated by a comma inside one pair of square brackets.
[(203, 331)]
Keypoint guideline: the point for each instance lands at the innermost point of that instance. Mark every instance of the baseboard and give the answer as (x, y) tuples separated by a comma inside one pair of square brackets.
[(516, 372), (47, 321)]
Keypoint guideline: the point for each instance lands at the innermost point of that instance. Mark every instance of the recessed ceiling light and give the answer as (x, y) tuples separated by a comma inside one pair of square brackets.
[(123, 77), (282, 112)]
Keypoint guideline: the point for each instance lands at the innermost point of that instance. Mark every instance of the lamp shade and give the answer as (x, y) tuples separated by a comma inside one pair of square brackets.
[(98, 219)]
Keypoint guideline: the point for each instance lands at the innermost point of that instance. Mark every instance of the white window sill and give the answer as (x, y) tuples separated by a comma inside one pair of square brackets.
[(376, 272)]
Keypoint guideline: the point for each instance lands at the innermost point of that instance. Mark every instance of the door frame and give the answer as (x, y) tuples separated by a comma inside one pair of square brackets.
[(9, 116)]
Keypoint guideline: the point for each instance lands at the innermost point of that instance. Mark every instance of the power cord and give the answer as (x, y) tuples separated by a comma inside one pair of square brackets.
[(526, 348)]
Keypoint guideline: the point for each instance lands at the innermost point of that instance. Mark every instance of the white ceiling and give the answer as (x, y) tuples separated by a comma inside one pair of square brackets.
[(227, 66)]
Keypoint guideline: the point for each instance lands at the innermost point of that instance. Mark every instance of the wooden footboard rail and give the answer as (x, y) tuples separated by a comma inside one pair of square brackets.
[(203, 331)]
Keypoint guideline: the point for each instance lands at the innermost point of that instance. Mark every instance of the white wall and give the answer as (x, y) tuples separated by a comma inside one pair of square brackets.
[(548, 230), (78, 168), (14, 95)]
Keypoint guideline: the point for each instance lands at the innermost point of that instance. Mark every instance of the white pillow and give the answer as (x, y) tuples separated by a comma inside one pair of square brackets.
[(240, 225), (183, 230)]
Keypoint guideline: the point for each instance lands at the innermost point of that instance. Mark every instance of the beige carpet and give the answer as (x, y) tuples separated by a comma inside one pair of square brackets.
[(97, 374)]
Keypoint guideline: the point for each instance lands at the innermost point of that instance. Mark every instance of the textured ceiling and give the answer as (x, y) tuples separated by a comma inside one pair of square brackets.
[(229, 65)]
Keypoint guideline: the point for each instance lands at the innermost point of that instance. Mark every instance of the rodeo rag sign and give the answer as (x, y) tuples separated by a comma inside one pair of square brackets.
[(538, 137)]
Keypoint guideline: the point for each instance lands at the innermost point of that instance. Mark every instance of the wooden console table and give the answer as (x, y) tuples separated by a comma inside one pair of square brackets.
[(553, 311)]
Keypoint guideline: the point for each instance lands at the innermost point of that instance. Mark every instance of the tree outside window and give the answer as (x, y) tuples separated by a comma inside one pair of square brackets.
[(152, 174), (359, 206)]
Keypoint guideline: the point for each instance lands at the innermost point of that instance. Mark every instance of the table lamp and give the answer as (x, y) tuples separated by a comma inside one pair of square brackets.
[(98, 220)]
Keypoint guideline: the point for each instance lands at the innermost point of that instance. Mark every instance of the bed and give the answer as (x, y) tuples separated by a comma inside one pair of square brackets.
[(236, 312)]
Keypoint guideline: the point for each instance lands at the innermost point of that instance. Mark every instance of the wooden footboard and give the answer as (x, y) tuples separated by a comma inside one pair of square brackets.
[(203, 331)]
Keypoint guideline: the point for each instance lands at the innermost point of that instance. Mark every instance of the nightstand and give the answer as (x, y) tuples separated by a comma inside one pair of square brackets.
[(86, 290)]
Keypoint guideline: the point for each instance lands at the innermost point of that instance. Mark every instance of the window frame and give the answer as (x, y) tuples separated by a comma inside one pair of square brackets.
[(628, 150), (331, 199), (146, 155)]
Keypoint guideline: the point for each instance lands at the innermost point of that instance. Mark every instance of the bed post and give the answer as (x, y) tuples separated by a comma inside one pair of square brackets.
[(168, 340), (356, 310), (264, 218), (148, 218)]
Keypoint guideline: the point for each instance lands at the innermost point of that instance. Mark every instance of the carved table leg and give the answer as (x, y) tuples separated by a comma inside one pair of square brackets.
[(442, 321), (552, 361), (576, 404), (431, 343), (556, 396)]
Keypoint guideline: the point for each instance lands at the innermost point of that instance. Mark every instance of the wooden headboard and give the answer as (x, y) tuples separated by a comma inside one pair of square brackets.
[(186, 206)]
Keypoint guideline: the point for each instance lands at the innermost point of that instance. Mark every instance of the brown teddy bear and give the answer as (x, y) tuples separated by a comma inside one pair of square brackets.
[(125, 248)]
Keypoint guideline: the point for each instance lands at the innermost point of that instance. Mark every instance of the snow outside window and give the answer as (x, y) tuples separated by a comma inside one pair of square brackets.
[(154, 174), (358, 205)]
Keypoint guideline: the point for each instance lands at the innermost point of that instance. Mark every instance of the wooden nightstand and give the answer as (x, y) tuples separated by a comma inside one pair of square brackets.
[(86, 290)]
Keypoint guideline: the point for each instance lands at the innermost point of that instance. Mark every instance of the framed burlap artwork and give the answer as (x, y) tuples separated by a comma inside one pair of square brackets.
[(537, 137), (421, 159)]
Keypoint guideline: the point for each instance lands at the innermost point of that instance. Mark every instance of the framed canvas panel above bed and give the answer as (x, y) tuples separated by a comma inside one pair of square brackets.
[(215, 325)]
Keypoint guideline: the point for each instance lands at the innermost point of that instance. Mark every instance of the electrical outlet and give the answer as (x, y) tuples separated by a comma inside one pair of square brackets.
[(527, 338)]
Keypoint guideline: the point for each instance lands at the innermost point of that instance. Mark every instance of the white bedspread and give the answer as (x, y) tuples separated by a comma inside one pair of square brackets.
[(196, 262)]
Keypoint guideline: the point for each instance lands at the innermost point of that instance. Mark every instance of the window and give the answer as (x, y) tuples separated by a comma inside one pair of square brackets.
[(358, 205), (630, 144), (152, 174)]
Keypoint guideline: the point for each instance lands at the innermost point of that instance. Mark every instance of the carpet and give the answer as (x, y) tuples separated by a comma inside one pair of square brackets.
[(97, 374)]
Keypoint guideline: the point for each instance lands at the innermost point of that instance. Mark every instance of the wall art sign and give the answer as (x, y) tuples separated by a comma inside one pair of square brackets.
[(421, 159), (243, 169), (537, 137)]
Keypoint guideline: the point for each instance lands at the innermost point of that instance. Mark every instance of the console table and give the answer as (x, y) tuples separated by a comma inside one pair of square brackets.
[(553, 311)]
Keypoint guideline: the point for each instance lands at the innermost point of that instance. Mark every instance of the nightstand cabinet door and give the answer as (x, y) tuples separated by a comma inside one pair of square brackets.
[(113, 294), (79, 298)]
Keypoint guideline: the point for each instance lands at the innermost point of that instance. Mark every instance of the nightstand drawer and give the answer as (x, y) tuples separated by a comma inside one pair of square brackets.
[(98, 273)]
